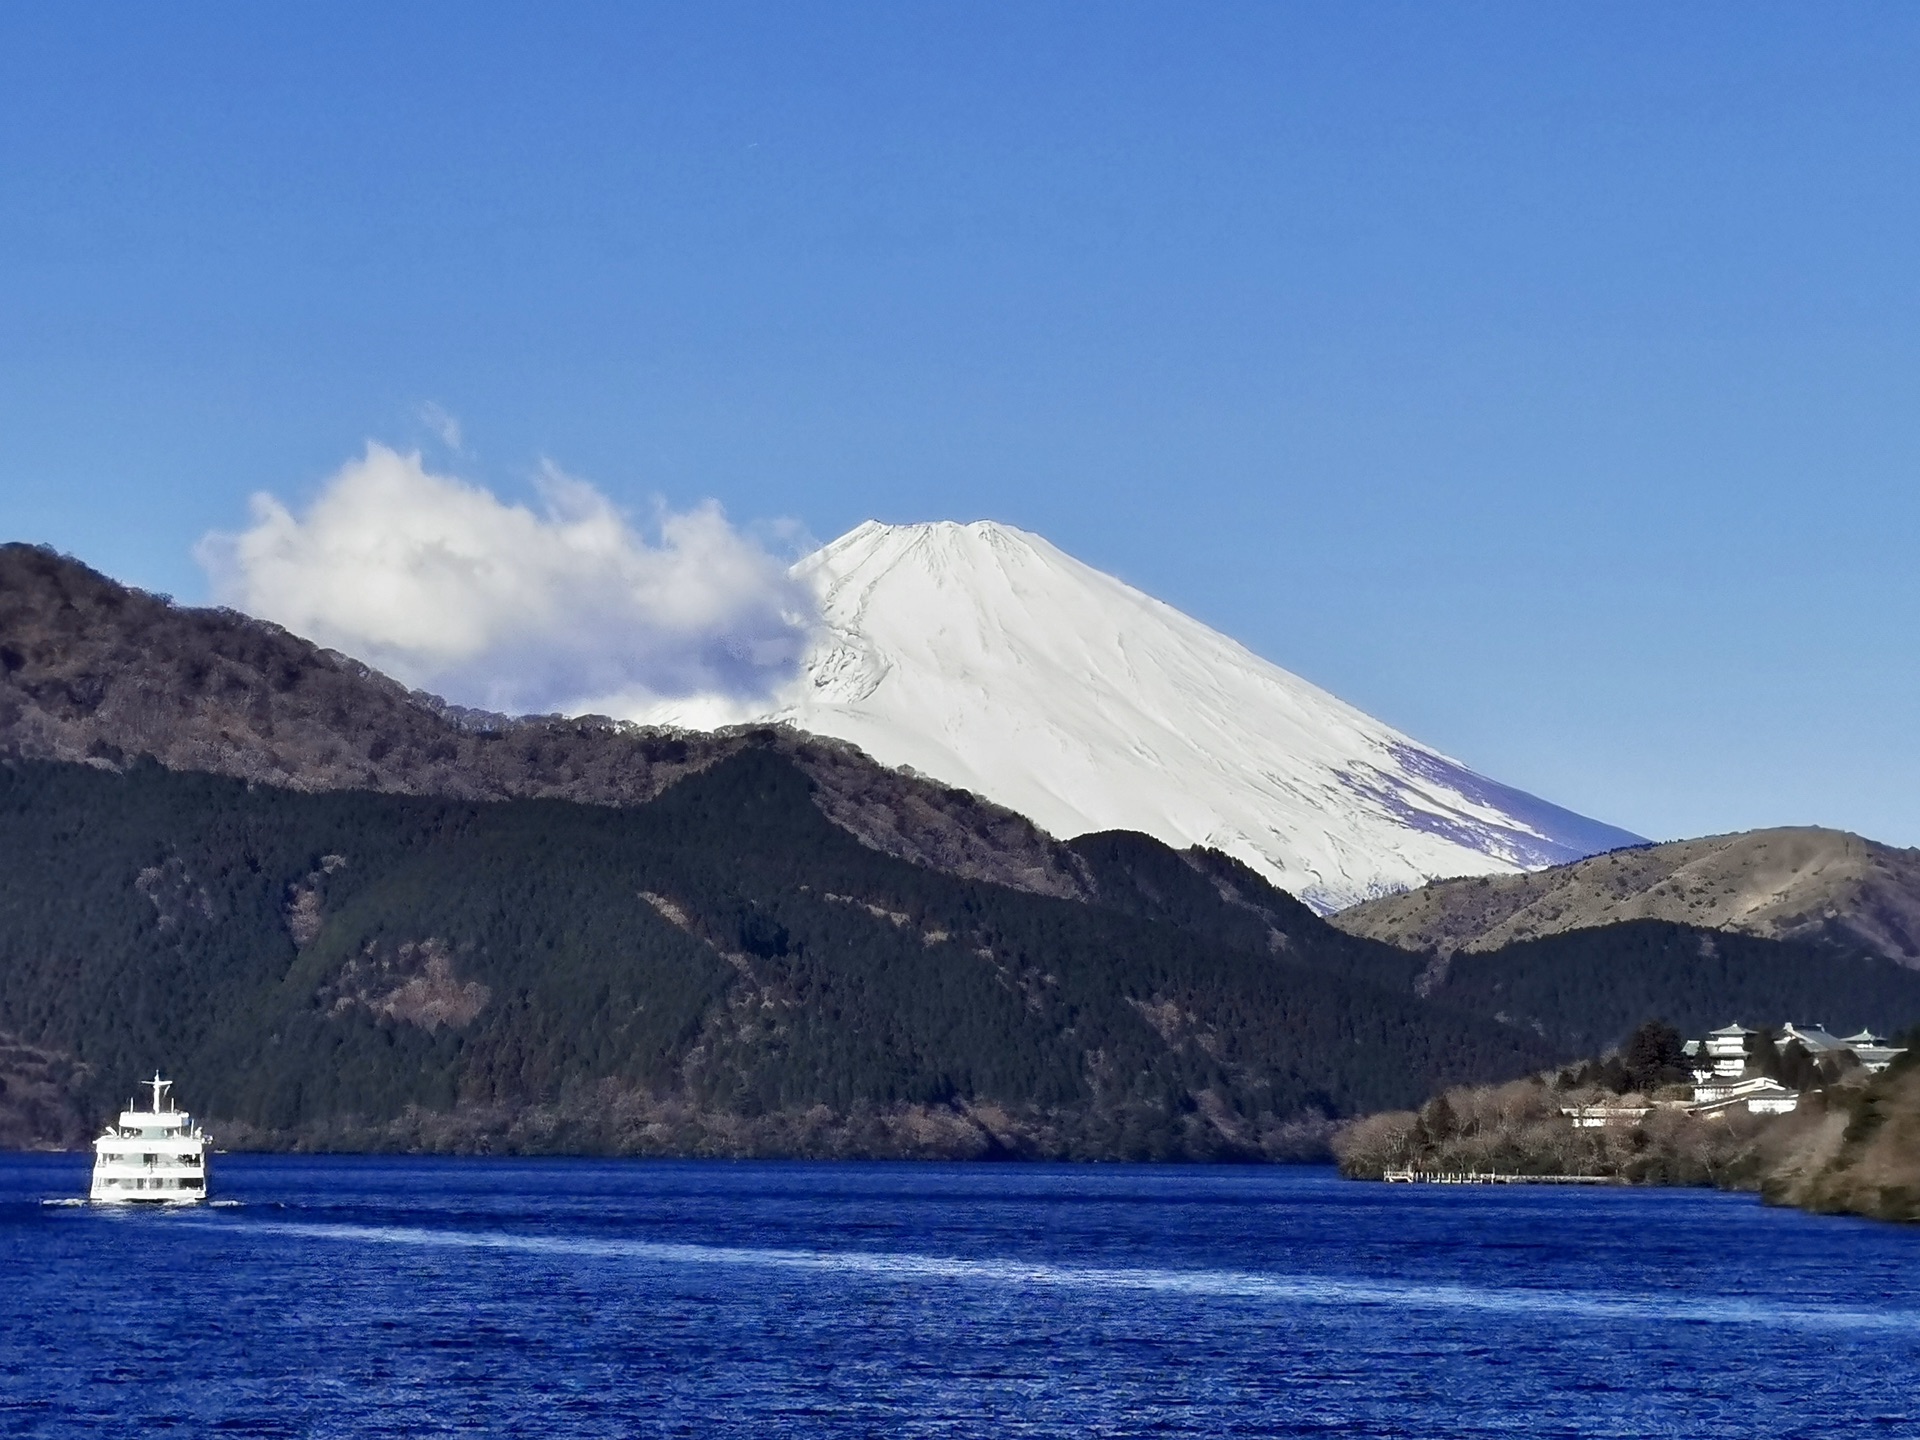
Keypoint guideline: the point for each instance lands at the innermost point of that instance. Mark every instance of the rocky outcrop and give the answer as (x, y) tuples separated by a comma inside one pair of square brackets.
[(413, 982)]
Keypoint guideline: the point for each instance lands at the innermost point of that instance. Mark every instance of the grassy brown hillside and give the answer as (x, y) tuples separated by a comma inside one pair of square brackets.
[(1805, 884)]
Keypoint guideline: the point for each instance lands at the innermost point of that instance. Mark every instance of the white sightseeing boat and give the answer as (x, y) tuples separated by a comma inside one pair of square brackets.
[(152, 1157)]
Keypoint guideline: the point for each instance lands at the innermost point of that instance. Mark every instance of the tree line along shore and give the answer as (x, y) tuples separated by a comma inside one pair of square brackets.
[(1850, 1145)]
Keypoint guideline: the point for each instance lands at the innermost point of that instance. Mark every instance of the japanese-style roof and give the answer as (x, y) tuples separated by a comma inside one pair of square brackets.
[(1811, 1036)]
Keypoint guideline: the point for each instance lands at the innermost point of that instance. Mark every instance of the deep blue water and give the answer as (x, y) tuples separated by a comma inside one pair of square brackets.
[(372, 1297)]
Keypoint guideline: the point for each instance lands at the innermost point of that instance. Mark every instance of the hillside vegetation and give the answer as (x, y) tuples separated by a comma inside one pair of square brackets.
[(1587, 989), (1856, 1150), (720, 971)]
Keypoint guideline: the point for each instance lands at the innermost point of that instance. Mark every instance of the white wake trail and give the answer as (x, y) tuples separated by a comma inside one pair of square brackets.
[(1236, 1285)]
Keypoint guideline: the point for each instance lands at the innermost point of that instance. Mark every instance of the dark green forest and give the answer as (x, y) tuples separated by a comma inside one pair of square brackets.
[(723, 944), (1588, 988), (722, 970)]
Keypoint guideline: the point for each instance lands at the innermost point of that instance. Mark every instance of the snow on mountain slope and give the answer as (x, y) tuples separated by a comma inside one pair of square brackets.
[(984, 657)]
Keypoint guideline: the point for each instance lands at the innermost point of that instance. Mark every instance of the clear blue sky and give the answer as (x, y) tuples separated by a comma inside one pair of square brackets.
[(1544, 379)]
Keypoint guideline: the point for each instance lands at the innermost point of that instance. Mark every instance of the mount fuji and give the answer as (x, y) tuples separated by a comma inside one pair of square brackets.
[(984, 657)]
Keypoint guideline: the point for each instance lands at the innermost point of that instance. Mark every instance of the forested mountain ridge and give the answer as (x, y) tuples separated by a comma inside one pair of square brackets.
[(719, 971), (1588, 989), (97, 672)]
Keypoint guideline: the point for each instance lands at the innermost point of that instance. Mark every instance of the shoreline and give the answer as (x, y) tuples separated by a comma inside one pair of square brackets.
[(1850, 1148)]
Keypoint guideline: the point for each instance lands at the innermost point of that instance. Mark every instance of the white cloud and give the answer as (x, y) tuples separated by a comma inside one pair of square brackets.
[(443, 423), (444, 586)]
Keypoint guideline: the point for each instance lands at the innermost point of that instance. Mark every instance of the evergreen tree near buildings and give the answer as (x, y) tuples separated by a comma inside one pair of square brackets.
[(1437, 1121), (1763, 1054), (1654, 1055), (1798, 1070)]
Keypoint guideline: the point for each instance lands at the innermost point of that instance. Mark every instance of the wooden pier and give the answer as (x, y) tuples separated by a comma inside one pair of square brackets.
[(1488, 1177)]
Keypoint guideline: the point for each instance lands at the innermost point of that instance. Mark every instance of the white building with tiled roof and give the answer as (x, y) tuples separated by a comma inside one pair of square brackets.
[(1758, 1096)]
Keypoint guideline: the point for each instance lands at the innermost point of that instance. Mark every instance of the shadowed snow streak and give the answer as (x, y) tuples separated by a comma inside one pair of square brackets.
[(1541, 833), (1204, 1284)]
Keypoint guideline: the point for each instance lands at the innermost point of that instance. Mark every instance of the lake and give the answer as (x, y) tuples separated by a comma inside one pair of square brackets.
[(376, 1297)]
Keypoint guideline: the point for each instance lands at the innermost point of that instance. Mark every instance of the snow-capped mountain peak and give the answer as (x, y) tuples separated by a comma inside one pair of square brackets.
[(985, 657)]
